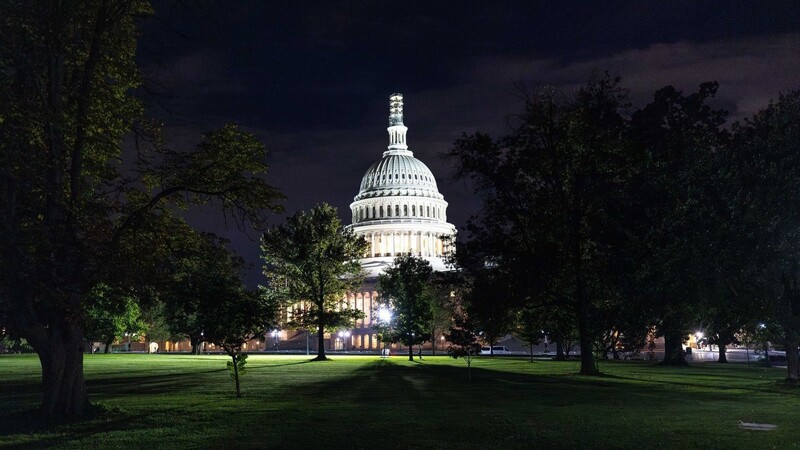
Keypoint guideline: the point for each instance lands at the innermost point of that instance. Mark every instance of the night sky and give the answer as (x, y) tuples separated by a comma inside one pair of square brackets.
[(312, 79)]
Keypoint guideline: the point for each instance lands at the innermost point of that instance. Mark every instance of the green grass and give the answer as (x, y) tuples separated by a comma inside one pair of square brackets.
[(183, 402)]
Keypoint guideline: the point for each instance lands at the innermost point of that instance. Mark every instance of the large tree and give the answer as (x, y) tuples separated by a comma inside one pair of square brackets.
[(313, 259), (553, 195), (202, 274), (677, 211), (71, 216), (766, 164), (406, 291)]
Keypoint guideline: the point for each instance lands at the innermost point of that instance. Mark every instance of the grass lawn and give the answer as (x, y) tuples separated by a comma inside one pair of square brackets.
[(183, 402)]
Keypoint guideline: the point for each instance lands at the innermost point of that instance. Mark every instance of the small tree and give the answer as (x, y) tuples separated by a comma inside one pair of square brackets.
[(463, 344), (529, 327), (312, 258), (239, 317), (405, 291), (204, 271)]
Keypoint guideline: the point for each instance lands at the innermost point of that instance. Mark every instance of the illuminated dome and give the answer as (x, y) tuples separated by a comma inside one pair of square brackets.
[(398, 208), (398, 174)]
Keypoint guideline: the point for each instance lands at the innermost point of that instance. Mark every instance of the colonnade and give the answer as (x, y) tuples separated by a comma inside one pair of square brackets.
[(400, 209), (393, 243)]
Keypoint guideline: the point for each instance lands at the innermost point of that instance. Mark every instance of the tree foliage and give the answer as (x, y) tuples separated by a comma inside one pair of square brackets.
[(239, 316), (405, 290), (72, 216), (312, 259), (111, 316), (463, 343), (553, 199), (766, 166)]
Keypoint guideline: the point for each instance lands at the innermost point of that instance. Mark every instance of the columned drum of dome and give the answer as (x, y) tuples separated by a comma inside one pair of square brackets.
[(398, 208)]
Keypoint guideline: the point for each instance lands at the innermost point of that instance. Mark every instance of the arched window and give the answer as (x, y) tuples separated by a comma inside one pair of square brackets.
[(373, 212), (389, 211), (405, 210), (413, 210), (397, 210)]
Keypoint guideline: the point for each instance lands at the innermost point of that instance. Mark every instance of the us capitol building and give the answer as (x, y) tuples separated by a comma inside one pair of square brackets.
[(398, 210)]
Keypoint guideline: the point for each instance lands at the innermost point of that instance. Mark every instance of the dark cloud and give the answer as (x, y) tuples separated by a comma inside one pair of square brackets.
[(312, 79)]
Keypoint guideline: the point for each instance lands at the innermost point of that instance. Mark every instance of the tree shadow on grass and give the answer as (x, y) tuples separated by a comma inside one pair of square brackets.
[(19, 417), (374, 398), (386, 395)]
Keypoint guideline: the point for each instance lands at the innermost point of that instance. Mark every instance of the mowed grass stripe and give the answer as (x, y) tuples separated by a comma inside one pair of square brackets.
[(184, 401)]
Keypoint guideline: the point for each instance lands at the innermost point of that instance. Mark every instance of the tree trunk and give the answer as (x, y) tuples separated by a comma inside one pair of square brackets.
[(236, 376), (560, 348), (63, 386), (195, 347), (108, 347), (723, 358), (588, 365), (531, 349), (320, 343), (792, 363), (673, 350), (410, 352)]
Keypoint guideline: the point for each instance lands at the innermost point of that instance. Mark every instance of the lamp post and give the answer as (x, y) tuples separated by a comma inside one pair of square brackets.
[(384, 316), (275, 339), (343, 335)]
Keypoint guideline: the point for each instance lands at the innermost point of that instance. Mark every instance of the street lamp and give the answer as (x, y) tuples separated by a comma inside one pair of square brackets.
[(343, 335), (385, 315), (275, 339)]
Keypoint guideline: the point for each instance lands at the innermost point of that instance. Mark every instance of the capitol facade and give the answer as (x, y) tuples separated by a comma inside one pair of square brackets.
[(398, 210)]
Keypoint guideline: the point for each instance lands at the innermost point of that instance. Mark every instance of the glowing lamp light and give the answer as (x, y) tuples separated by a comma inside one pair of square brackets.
[(384, 315), (699, 335)]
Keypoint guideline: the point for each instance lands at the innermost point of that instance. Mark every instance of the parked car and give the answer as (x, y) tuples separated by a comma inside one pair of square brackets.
[(496, 349)]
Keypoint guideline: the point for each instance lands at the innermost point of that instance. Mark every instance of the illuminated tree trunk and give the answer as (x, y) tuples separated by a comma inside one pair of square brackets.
[(320, 342)]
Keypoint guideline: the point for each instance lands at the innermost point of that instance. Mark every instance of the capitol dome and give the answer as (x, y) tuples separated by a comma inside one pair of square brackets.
[(399, 209), (398, 174)]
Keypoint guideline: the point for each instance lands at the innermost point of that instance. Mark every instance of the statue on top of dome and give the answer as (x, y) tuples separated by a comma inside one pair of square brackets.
[(396, 109)]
